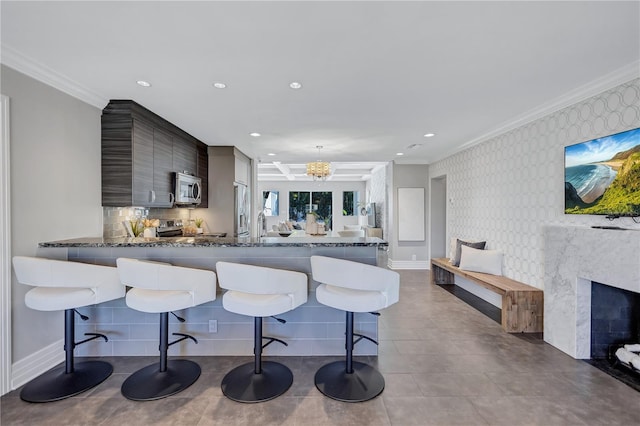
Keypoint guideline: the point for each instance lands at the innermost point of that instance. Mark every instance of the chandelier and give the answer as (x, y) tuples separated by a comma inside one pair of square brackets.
[(318, 169)]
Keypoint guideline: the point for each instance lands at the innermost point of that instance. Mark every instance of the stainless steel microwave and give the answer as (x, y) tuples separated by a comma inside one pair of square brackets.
[(187, 189)]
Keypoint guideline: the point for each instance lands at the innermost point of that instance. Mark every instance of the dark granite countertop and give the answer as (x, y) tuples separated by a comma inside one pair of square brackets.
[(207, 241)]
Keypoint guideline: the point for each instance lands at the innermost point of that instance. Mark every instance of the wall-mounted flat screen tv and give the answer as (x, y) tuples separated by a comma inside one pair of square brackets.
[(602, 176)]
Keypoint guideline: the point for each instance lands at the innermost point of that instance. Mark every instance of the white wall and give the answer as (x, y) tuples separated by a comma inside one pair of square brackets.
[(505, 189), (337, 188), (55, 188), (402, 252)]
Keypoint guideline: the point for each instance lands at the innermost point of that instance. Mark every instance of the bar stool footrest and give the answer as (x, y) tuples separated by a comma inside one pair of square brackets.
[(363, 384), (149, 383), (242, 384), (55, 384)]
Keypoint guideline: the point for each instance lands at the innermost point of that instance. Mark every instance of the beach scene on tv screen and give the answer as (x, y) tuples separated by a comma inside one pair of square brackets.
[(602, 176)]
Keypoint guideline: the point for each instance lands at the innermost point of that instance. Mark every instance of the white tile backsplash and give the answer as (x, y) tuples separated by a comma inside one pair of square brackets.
[(112, 218)]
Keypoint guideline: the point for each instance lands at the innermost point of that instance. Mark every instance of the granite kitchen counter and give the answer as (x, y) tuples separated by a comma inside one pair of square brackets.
[(210, 241)]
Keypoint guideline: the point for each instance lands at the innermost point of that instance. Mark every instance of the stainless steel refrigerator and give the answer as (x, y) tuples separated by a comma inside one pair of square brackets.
[(242, 210)]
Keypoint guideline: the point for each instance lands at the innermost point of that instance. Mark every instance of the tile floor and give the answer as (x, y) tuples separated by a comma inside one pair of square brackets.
[(444, 364)]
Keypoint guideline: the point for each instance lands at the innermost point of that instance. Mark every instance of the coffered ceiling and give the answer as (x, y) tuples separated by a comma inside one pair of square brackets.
[(340, 171), (375, 76)]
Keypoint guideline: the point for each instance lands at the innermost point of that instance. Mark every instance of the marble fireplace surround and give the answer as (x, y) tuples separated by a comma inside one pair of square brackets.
[(575, 256)]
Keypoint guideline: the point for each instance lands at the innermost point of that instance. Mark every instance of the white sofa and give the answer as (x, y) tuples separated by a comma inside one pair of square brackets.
[(351, 233)]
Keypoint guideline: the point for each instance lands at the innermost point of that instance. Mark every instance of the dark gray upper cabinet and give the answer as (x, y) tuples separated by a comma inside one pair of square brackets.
[(203, 173), (140, 152), (142, 163), (162, 168), (185, 156)]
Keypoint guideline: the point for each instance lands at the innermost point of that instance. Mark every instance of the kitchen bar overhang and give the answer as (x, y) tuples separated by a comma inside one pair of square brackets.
[(213, 240), (311, 329)]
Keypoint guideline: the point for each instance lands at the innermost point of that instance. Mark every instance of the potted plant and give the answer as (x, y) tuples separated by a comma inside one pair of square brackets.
[(199, 222), (136, 227)]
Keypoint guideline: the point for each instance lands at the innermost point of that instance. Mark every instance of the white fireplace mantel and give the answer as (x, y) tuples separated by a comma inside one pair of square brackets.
[(574, 257)]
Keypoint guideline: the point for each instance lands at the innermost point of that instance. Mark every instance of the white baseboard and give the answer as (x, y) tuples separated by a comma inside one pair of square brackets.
[(408, 264), (37, 363)]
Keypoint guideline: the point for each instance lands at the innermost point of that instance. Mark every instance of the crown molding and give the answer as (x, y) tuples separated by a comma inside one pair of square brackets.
[(595, 87), (34, 69)]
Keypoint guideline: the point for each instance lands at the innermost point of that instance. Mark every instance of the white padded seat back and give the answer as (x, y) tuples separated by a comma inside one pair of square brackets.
[(355, 276), (66, 285), (260, 280), (260, 291), (200, 284)]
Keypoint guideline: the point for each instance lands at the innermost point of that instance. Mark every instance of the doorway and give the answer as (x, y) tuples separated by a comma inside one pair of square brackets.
[(438, 214)]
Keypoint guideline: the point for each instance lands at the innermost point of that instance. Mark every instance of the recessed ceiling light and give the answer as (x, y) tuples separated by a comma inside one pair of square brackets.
[(143, 83), (271, 154), (295, 85), (429, 135), (255, 134), (219, 85), (399, 153)]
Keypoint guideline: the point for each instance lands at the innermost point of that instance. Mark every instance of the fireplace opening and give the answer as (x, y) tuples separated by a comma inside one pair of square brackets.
[(615, 322)]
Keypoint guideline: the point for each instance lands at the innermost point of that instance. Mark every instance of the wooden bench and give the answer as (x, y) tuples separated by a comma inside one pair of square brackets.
[(522, 305)]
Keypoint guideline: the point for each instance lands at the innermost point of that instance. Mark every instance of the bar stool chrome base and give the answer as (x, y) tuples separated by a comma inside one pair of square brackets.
[(242, 384), (149, 383), (363, 384), (56, 384)]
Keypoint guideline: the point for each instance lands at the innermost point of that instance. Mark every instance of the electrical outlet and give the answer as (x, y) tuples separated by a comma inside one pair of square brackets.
[(213, 326), (413, 257)]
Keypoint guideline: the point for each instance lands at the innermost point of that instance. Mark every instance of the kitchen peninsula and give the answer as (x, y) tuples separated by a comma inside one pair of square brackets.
[(311, 329)]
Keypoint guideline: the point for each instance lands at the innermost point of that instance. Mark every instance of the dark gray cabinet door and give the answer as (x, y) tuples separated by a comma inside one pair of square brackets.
[(117, 161), (185, 155), (203, 174), (142, 164), (162, 168)]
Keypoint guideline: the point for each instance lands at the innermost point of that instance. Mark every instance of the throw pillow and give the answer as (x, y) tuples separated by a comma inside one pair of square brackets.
[(452, 249), (487, 261), (459, 243)]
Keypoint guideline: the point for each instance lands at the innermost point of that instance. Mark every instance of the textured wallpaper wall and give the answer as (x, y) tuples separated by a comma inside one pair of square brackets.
[(377, 189), (505, 189)]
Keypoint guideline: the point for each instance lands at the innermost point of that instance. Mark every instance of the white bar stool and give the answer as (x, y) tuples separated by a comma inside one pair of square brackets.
[(352, 287), (259, 292), (62, 285), (162, 288)]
